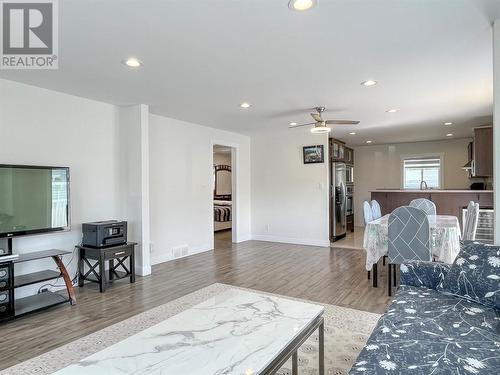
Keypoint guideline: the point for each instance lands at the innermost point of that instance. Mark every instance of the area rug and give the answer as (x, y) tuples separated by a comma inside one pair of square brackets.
[(346, 332)]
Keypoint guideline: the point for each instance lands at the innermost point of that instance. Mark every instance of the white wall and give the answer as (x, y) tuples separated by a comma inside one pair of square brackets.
[(379, 166), (181, 190), (289, 198), (134, 178), (43, 127)]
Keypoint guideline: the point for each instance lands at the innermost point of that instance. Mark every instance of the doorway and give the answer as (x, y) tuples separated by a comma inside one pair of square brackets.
[(223, 195)]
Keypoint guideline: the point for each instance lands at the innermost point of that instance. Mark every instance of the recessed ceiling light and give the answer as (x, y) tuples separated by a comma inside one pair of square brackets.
[(448, 123), (132, 62), (370, 82), (392, 110), (245, 105), (293, 123), (368, 141), (301, 5), (449, 135), (352, 133)]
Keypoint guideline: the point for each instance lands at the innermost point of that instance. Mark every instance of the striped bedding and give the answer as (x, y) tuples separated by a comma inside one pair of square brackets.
[(222, 212)]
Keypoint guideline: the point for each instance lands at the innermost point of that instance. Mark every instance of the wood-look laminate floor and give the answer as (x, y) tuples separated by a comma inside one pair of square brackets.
[(334, 276)]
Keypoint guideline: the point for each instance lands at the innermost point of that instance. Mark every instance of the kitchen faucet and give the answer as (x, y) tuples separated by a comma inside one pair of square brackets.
[(422, 184)]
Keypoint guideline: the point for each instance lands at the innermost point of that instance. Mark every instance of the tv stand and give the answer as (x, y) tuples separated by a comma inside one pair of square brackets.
[(46, 299), (22, 306)]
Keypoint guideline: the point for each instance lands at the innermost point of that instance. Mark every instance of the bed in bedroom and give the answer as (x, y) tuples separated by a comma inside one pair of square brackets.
[(222, 214)]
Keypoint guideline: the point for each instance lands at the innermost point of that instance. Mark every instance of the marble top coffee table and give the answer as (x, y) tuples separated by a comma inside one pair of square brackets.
[(235, 332)]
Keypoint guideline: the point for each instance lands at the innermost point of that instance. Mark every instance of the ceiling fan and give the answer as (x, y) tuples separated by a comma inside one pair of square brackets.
[(320, 125)]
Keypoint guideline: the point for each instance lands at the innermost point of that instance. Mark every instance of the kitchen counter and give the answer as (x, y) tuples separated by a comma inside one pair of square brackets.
[(448, 202), (429, 191)]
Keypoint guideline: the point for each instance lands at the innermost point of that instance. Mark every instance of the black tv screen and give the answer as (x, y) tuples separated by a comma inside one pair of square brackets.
[(33, 199)]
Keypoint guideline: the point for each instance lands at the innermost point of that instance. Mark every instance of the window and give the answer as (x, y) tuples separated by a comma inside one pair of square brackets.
[(418, 169)]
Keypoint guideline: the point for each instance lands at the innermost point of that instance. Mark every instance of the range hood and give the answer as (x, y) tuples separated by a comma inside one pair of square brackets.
[(467, 166)]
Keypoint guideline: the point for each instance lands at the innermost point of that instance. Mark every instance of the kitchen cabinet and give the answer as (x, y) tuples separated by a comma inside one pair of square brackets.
[(340, 152), (337, 150), (349, 155), (350, 223), (482, 164)]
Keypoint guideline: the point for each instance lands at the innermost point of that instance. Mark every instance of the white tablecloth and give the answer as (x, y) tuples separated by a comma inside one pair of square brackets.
[(445, 238)]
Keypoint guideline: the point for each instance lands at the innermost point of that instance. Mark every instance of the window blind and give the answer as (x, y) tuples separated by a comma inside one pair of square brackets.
[(420, 169)]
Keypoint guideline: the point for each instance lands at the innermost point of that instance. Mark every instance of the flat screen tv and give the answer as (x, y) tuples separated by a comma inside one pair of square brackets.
[(33, 199)]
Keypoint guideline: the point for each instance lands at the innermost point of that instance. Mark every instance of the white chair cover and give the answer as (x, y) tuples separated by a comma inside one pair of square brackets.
[(471, 220), (425, 205), (367, 212), (376, 211)]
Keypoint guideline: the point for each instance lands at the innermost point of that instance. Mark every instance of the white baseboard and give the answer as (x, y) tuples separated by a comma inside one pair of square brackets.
[(291, 240), (143, 271), (243, 239), (167, 256)]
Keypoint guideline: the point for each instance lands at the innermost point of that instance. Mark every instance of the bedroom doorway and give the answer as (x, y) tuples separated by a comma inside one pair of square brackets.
[(223, 193)]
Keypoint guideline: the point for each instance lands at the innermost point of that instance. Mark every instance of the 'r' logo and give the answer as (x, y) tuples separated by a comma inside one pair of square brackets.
[(27, 28)]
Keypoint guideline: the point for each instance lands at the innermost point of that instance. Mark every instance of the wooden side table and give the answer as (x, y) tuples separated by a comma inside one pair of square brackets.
[(96, 272)]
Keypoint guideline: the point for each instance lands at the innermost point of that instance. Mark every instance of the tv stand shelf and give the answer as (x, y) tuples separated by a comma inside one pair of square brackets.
[(40, 255), (35, 278), (37, 302)]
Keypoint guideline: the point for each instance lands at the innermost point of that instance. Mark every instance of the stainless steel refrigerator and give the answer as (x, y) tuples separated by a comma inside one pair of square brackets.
[(338, 201)]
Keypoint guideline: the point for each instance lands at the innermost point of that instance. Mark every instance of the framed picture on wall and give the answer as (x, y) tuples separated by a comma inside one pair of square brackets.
[(314, 154)]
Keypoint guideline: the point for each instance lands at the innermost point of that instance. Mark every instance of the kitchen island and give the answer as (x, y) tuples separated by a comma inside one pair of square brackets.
[(448, 202)]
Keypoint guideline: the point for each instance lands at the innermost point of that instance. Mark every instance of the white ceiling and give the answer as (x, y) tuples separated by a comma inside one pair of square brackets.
[(433, 61)]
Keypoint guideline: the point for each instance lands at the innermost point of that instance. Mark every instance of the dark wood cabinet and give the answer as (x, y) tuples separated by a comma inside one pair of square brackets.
[(340, 152), (349, 155), (350, 223), (337, 150), (389, 201), (447, 203), (482, 150)]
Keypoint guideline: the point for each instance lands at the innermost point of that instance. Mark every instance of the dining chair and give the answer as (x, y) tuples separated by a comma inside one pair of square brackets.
[(376, 211), (367, 212), (425, 205), (367, 216), (409, 238), (470, 222)]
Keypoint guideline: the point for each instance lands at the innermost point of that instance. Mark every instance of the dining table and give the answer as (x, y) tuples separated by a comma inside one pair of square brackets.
[(444, 232)]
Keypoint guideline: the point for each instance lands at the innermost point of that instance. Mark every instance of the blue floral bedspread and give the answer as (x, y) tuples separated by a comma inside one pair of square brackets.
[(428, 332)]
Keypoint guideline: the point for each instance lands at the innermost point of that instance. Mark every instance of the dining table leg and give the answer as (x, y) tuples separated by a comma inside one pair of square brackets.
[(389, 278), (374, 276), (394, 273)]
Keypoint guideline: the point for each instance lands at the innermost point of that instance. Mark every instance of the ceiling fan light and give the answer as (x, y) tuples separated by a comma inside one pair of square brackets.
[(320, 130)]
